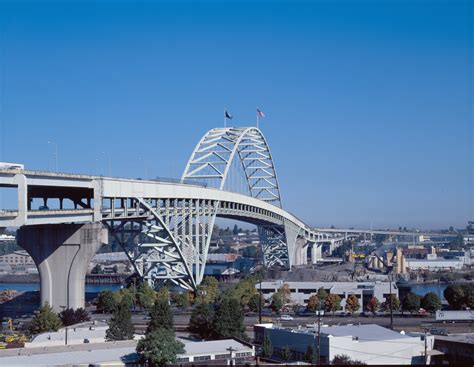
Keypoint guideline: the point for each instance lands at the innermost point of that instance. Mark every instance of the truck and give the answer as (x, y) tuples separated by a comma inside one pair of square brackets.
[(6, 166), (465, 315)]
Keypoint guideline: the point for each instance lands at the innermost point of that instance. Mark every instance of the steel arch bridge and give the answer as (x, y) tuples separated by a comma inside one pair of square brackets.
[(173, 243), (165, 228)]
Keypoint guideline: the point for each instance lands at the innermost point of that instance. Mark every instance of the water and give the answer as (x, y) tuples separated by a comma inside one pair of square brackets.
[(26, 287), (422, 289)]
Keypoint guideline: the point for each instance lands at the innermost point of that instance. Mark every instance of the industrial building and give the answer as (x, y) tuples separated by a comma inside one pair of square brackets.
[(372, 344), (302, 291)]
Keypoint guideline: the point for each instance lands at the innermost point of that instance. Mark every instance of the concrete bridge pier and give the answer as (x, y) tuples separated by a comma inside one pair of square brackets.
[(316, 253), (62, 253)]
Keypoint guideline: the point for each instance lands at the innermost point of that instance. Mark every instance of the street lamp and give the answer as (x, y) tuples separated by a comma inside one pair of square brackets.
[(65, 339)]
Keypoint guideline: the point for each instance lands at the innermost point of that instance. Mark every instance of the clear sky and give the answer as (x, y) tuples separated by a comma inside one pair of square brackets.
[(368, 103)]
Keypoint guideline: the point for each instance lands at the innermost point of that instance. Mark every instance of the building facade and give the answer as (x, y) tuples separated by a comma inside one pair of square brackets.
[(302, 291)]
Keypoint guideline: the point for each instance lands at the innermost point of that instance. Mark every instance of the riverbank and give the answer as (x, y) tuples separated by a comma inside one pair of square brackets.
[(90, 278)]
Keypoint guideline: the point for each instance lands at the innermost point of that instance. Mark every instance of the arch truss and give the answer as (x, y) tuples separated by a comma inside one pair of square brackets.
[(167, 240), (211, 162)]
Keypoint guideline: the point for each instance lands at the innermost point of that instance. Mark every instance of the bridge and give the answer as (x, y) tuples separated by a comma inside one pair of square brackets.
[(164, 227)]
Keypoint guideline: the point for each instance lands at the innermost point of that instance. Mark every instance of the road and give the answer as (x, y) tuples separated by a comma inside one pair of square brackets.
[(407, 323)]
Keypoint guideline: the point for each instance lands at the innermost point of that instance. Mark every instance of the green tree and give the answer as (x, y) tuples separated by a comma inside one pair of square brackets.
[(181, 300), (254, 302), (394, 301), (159, 347), (120, 325), (343, 359), (163, 295), (125, 296), (310, 356), (286, 293), (322, 294), (235, 231), (207, 290), (431, 302), (201, 321), (146, 295), (469, 298), (332, 303), (411, 303), (45, 320), (161, 316), (277, 302), (373, 305), (229, 319), (352, 304), (106, 301), (267, 348), (455, 296), (286, 353)]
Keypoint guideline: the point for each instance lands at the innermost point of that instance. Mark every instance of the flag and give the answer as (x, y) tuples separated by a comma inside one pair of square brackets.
[(227, 115), (260, 113)]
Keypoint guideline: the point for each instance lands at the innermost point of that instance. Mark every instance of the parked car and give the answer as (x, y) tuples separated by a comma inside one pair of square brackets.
[(439, 331), (286, 317)]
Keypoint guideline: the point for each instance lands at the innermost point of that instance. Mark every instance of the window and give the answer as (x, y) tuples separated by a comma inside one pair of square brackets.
[(184, 359), (243, 354), (222, 356), (202, 358)]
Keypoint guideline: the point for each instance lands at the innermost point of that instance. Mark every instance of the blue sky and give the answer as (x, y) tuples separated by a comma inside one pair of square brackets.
[(368, 103)]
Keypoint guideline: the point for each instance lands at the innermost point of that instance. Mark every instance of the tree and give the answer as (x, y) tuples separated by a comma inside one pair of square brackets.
[(45, 320), (286, 353), (254, 302), (106, 301), (431, 302), (313, 303), (411, 303), (267, 348), (352, 304), (373, 305), (146, 295), (310, 356), (163, 295), (120, 325), (455, 296), (201, 321), (322, 294), (97, 269), (70, 316), (342, 359), (181, 300), (235, 231), (229, 319), (207, 290), (125, 296), (277, 302), (332, 303), (286, 293), (159, 347), (394, 301), (160, 316)]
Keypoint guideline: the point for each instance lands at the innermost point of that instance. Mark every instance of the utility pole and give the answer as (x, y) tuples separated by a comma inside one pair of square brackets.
[(391, 301), (231, 351), (425, 329), (260, 301), (319, 334)]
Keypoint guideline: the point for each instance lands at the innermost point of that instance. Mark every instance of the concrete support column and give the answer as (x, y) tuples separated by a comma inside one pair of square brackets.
[(62, 253), (316, 253)]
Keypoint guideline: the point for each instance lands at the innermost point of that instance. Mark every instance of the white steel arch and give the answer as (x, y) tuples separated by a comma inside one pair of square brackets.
[(212, 158)]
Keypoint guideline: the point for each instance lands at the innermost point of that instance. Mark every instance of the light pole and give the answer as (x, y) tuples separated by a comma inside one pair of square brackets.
[(65, 339), (55, 153)]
